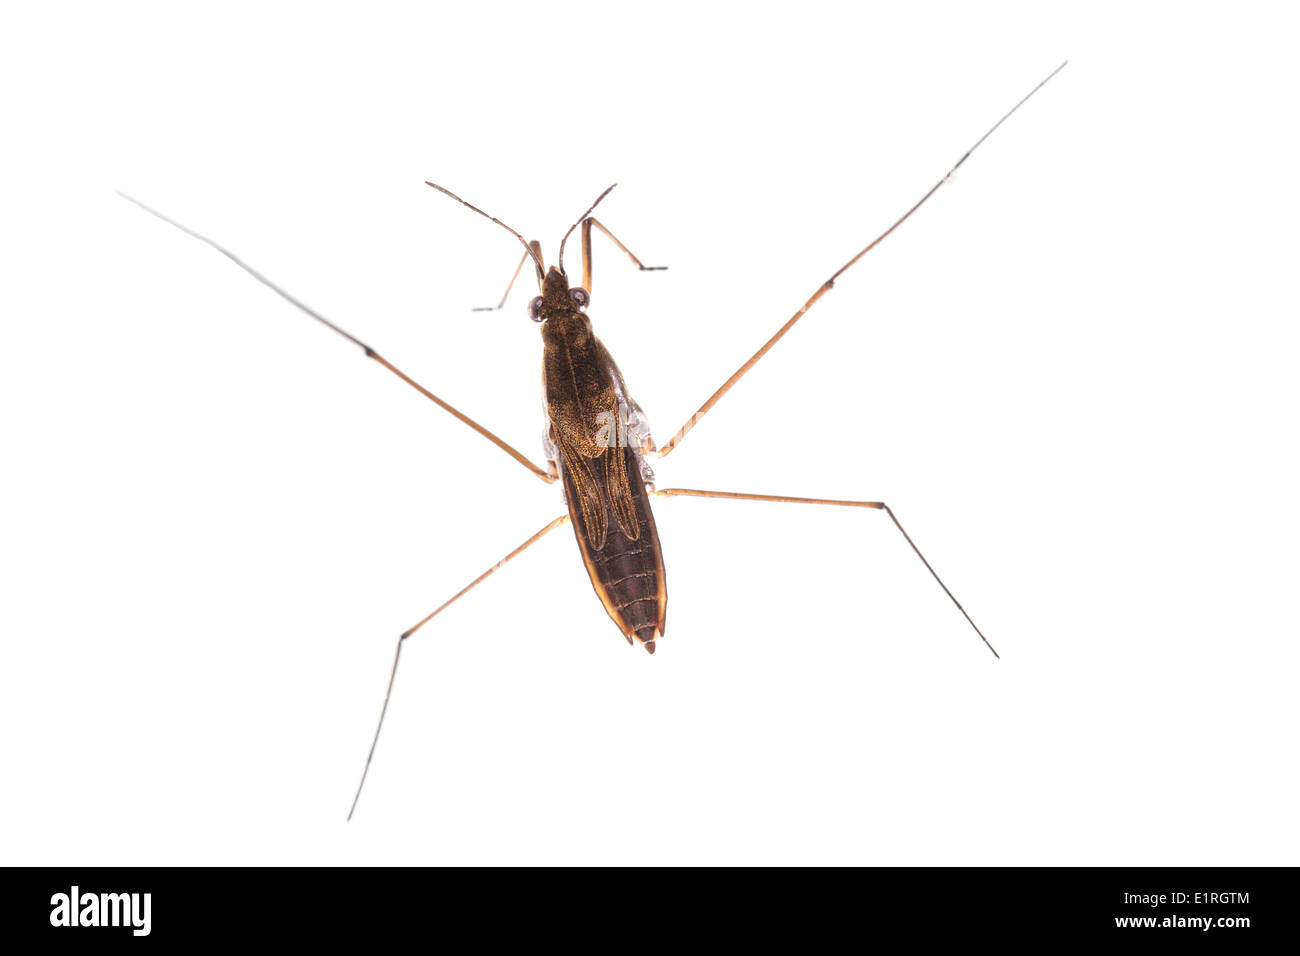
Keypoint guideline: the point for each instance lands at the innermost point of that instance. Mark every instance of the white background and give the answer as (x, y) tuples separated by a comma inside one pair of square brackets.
[(1073, 375)]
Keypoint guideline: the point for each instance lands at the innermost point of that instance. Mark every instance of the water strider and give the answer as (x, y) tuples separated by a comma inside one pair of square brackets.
[(597, 440)]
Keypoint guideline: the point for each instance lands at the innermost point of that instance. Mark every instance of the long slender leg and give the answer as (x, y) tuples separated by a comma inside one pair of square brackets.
[(842, 503), (586, 251), (397, 656), (505, 295), (533, 249), (830, 283), (547, 475)]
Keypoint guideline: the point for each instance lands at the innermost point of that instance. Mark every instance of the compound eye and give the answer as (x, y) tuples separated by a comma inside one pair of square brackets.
[(535, 309), (580, 297)]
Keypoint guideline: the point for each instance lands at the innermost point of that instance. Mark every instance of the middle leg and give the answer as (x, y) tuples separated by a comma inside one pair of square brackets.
[(840, 503)]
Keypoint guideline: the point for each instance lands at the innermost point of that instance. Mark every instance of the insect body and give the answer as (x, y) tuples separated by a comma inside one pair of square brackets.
[(604, 473), (597, 441)]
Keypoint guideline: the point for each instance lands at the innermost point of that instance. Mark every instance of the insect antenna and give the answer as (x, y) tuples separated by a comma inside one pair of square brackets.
[(590, 208), (537, 259)]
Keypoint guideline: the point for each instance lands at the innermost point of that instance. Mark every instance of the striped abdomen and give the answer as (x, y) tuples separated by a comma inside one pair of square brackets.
[(627, 573)]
